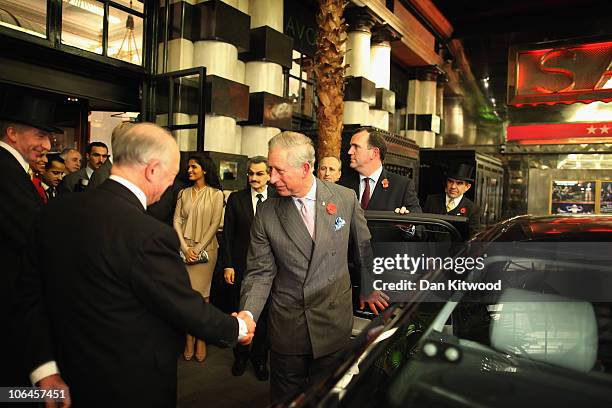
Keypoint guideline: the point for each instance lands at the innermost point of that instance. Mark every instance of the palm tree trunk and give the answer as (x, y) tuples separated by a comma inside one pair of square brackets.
[(329, 73)]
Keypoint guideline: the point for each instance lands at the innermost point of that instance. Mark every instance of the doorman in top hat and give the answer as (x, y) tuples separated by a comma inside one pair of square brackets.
[(453, 201), (25, 128)]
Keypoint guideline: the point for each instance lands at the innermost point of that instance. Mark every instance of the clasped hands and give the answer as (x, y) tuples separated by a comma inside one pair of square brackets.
[(250, 326), (191, 255)]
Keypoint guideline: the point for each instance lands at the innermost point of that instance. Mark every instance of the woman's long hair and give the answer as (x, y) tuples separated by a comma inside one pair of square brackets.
[(211, 177)]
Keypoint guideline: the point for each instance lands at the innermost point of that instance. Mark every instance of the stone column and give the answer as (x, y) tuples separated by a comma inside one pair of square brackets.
[(217, 49), (270, 51), (453, 121), (441, 83), (360, 91), (423, 124), (179, 52), (267, 13), (178, 55), (380, 74)]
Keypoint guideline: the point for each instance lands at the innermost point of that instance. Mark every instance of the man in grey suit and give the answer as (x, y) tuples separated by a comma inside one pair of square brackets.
[(298, 258)]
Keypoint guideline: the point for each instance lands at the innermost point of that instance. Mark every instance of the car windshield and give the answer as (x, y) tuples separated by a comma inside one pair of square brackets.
[(546, 333)]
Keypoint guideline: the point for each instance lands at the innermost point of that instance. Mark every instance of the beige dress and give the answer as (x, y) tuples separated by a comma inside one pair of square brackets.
[(196, 221)]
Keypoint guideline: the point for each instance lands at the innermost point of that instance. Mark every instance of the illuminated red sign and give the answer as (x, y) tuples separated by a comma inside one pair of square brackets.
[(560, 133), (563, 73)]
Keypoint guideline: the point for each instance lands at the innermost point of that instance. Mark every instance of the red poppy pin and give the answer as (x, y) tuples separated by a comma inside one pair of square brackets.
[(463, 210), (331, 208), (385, 183)]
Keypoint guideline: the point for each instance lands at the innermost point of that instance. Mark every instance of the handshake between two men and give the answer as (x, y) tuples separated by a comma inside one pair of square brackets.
[(247, 318)]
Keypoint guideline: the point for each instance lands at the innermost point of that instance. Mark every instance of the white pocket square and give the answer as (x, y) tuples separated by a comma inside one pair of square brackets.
[(339, 223)]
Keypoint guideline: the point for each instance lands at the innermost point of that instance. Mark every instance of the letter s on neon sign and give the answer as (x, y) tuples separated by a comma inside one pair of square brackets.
[(555, 70)]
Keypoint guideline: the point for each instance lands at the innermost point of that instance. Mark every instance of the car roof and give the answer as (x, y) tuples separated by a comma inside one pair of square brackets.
[(550, 227)]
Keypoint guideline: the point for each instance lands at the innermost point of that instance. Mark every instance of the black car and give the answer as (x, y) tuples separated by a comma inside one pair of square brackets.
[(543, 339)]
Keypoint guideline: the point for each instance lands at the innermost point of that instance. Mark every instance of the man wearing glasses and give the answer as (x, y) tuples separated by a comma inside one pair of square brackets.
[(96, 154)]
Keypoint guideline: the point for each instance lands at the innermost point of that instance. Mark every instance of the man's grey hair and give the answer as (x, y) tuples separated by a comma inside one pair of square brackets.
[(141, 143), (66, 151), (300, 147), (5, 124)]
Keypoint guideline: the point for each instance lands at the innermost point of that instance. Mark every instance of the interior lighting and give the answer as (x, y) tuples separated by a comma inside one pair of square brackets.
[(593, 112), (92, 8)]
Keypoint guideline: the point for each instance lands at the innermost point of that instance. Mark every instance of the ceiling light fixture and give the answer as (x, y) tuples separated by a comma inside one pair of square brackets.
[(92, 8)]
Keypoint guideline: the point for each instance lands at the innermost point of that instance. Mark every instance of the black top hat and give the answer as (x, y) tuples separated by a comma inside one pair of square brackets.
[(461, 172), (28, 109)]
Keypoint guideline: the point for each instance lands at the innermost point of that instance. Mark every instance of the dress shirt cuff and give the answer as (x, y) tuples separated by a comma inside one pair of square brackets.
[(45, 370), (243, 331)]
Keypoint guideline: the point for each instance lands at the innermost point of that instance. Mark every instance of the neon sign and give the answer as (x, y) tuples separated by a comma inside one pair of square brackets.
[(563, 73)]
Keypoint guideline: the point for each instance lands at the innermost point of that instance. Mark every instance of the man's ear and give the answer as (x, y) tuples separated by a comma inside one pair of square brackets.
[(468, 185), (151, 170), (11, 134), (306, 168)]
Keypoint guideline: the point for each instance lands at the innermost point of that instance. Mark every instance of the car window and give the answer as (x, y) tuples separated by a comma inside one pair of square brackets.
[(529, 338)]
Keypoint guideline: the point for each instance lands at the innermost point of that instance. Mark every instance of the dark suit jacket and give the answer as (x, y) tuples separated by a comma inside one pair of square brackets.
[(398, 193), (100, 175), (307, 282), (163, 210), (236, 232), (70, 181), (436, 204), (120, 299), (236, 229), (19, 207)]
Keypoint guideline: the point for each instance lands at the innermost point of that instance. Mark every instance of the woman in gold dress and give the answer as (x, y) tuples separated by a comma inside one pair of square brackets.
[(196, 220)]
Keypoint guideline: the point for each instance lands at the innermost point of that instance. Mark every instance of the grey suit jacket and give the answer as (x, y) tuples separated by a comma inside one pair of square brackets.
[(307, 281), (70, 181)]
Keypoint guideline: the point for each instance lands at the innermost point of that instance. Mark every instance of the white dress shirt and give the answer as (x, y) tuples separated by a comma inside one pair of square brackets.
[(373, 180), (455, 201), (254, 193), (133, 188), (16, 155)]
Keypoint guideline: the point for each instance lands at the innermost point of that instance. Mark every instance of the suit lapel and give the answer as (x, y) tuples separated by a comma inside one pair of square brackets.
[(24, 178), (294, 226), (379, 192), (462, 204), (353, 183), (324, 222), (247, 205)]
